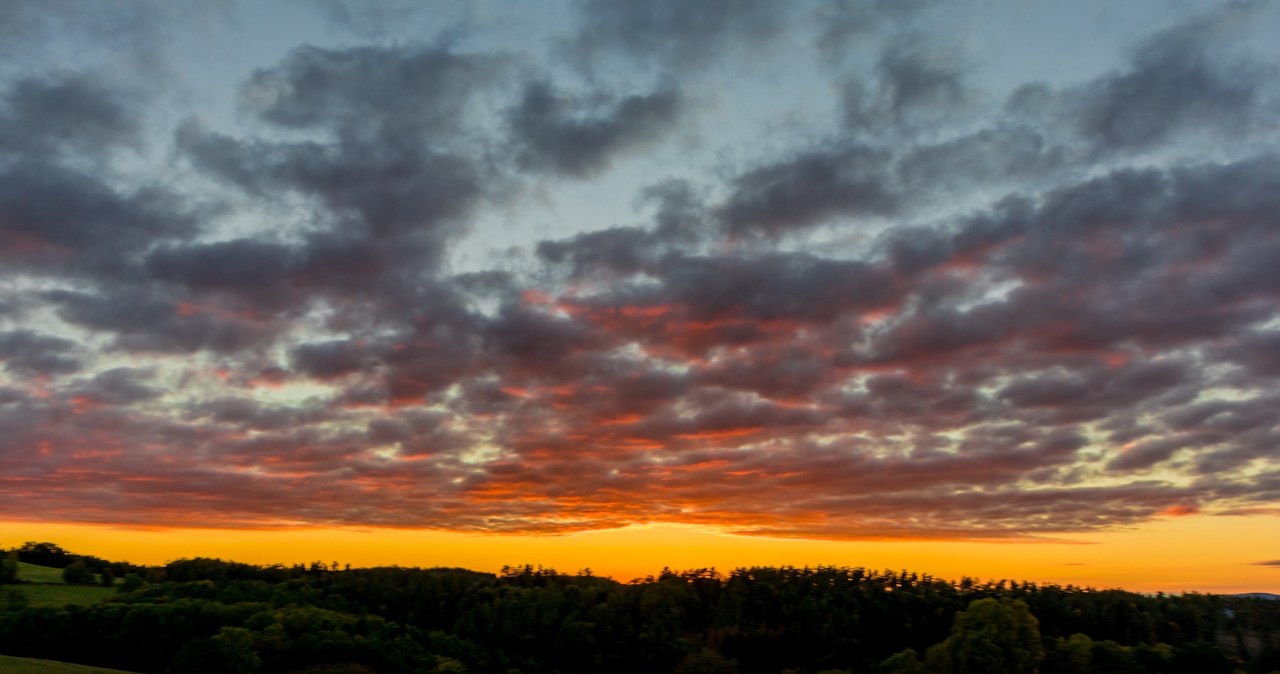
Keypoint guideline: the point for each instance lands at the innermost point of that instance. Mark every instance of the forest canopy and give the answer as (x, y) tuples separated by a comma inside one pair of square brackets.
[(212, 615)]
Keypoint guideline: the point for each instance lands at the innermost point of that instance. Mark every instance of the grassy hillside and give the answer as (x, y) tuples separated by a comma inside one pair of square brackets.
[(61, 595), (11, 665), (39, 574), (44, 587)]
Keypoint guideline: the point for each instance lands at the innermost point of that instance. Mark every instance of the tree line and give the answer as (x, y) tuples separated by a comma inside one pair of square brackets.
[(210, 615), (76, 569)]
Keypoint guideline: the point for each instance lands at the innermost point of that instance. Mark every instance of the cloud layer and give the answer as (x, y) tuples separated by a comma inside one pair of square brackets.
[(947, 307)]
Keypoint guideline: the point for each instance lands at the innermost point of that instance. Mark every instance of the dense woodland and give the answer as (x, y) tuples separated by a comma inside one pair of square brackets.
[(209, 615)]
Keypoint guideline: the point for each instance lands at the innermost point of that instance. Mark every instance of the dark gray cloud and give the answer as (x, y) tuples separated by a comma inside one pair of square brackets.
[(620, 250), (391, 178), (327, 360), (986, 157), (788, 372), (391, 94), (241, 266), (534, 338), (916, 84), (1185, 80), (680, 219), (679, 210), (58, 209), (777, 287), (69, 114), (63, 213), (1257, 352), (577, 138), (29, 353), (388, 190), (119, 386), (1180, 80), (808, 189), (147, 321), (64, 224)]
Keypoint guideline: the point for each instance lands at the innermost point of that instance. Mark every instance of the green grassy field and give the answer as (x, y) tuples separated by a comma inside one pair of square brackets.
[(61, 595), (39, 574), (44, 587), (11, 665)]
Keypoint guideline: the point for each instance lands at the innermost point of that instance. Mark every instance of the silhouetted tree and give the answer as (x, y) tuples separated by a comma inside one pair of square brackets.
[(8, 569), (903, 662), (77, 573), (230, 651), (131, 583), (12, 599), (992, 636), (44, 554), (1072, 655)]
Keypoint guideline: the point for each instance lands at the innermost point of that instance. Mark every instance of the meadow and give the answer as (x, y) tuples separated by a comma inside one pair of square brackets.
[(32, 573), (11, 665), (61, 595), (44, 586)]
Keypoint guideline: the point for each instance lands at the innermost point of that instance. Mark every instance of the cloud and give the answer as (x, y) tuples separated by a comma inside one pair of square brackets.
[(238, 266), (29, 353), (69, 114), (133, 35), (1179, 80), (553, 138), (985, 157), (1185, 80), (809, 189), (915, 87), (327, 360), (117, 386), (147, 321), (415, 285), (389, 180), (413, 93), (47, 209), (388, 189), (61, 217)]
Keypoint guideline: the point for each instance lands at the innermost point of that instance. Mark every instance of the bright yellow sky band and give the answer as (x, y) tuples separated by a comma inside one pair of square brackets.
[(1196, 553)]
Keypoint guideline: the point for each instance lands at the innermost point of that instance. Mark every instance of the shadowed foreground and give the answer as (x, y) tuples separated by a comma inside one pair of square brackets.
[(10, 665)]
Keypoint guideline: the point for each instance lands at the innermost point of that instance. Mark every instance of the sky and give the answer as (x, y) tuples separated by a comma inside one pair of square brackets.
[(985, 288)]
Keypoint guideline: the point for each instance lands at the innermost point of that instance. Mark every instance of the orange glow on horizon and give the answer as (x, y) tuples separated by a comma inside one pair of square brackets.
[(1191, 553)]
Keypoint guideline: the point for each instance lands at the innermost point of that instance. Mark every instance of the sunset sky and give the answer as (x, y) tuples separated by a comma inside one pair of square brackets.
[(985, 288)]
